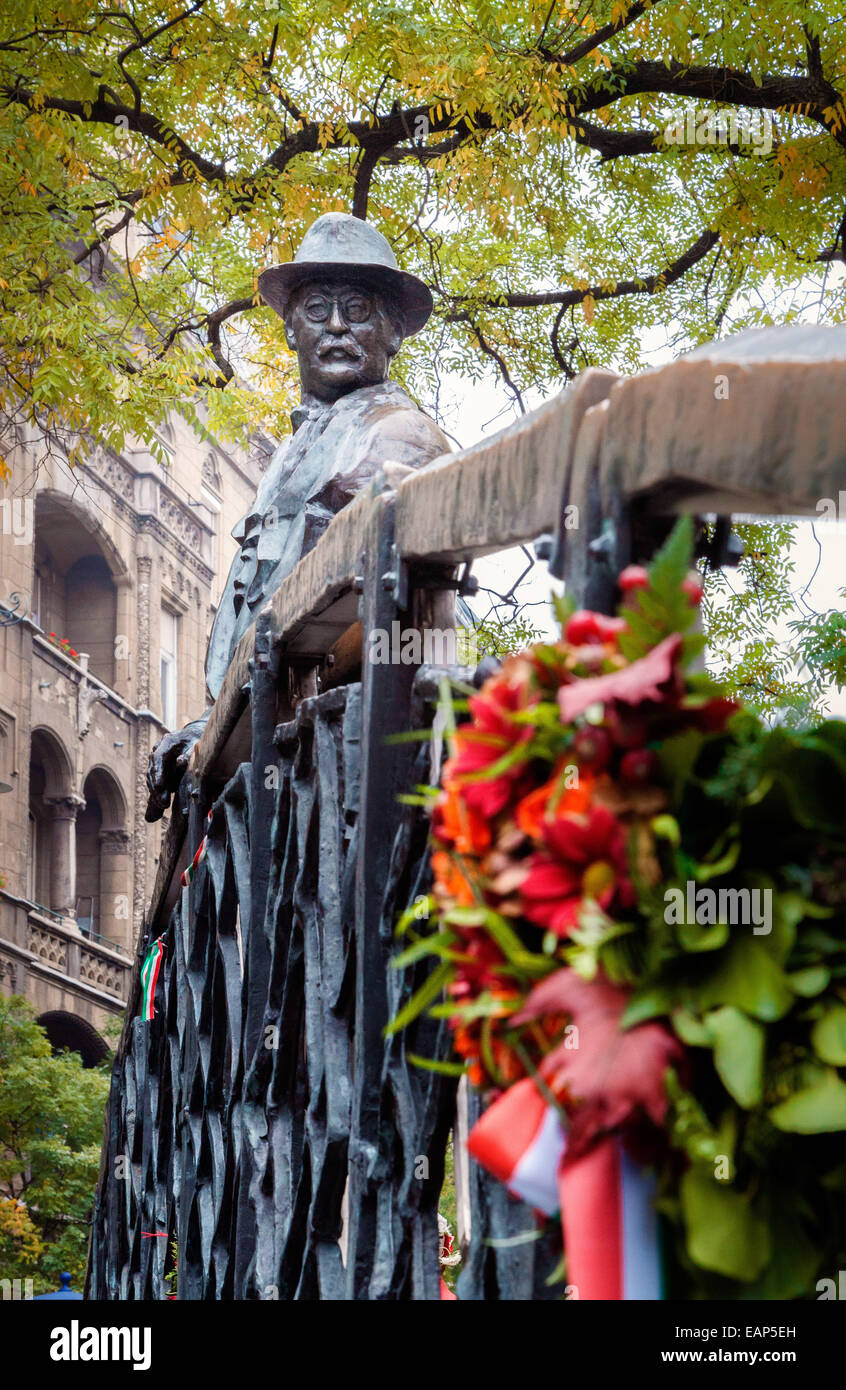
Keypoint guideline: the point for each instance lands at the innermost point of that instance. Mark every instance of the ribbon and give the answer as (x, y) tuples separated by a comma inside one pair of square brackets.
[(608, 1217), (150, 977), (198, 857)]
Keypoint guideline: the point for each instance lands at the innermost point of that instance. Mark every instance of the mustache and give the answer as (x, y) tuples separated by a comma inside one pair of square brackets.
[(347, 345)]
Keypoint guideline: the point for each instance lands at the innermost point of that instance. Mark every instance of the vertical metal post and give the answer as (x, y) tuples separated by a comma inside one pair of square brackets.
[(386, 701)]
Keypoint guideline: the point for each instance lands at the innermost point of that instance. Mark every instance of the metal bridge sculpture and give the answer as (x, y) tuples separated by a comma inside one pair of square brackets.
[(262, 1120)]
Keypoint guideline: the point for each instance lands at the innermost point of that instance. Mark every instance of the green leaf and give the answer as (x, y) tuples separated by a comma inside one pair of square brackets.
[(426, 994), (690, 1029), (437, 944), (809, 982), (738, 1054), (828, 1036), (650, 1001), (748, 978), (678, 756), (719, 867), (724, 1233), (817, 1109), (413, 913), (430, 1064), (695, 936), (795, 1258), (505, 936)]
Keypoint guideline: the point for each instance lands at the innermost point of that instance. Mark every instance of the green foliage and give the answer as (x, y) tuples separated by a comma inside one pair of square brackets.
[(761, 808), (187, 147), (51, 1129), (663, 608), (499, 637), (746, 613)]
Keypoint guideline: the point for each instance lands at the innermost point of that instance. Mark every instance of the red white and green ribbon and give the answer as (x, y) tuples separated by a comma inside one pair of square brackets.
[(198, 858), (606, 1201), (149, 978)]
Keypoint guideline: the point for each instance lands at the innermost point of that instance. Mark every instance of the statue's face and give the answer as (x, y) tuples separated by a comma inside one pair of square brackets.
[(344, 336)]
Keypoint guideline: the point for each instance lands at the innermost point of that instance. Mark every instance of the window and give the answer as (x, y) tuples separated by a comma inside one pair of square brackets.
[(169, 644)]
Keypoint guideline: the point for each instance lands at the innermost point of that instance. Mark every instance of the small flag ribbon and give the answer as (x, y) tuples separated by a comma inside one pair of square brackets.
[(149, 978), (608, 1219), (198, 858)]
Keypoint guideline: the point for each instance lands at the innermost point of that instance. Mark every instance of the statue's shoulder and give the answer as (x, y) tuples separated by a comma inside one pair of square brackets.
[(400, 431)]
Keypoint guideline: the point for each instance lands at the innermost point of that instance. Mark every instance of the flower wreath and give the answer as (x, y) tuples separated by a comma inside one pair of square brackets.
[(638, 918)]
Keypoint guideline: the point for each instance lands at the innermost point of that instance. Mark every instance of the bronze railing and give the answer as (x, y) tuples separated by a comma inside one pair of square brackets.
[(262, 1120)]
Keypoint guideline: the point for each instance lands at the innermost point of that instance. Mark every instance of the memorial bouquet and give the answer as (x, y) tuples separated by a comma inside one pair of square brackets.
[(639, 921)]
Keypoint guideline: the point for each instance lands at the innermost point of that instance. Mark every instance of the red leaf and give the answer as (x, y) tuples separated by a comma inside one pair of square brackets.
[(612, 1076), (639, 681)]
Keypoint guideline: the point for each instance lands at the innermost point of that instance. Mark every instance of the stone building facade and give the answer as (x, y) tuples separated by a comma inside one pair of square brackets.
[(109, 576)]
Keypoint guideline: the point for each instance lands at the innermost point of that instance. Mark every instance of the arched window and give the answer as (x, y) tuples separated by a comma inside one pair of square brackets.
[(51, 822), (103, 864), (76, 593)]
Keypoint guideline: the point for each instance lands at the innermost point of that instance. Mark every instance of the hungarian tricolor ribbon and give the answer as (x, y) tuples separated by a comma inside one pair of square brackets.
[(149, 978), (198, 858), (608, 1218)]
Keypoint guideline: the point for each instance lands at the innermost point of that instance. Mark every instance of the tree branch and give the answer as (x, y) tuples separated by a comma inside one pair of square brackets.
[(490, 351), (646, 284), (596, 40), (144, 123)]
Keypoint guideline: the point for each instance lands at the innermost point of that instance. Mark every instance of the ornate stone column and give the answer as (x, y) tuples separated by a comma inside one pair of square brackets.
[(143, 741), (63, 852), (126, 663), (115, 886)]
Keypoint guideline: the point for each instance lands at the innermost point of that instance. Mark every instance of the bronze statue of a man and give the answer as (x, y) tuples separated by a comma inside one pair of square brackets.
[(346, 308)]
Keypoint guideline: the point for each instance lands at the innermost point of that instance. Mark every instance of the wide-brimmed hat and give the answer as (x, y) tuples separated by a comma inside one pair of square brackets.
[(338, 243)]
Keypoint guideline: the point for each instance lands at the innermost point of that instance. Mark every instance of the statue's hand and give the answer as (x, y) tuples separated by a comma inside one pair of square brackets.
[(167, 765)]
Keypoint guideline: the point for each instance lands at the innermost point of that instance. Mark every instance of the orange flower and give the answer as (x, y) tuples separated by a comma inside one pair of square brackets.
[(538, 808), (459, 824), (450, 880)]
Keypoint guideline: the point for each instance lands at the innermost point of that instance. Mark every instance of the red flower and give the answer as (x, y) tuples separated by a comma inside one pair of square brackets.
[(585, 858), (585, 628), (639, 765), (480, 969), (493, 734)]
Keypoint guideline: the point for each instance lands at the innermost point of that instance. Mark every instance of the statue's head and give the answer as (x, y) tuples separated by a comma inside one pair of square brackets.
[(346, 305)]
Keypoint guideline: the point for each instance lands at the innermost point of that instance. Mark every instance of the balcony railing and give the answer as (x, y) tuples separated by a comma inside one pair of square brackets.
[(91, 960)]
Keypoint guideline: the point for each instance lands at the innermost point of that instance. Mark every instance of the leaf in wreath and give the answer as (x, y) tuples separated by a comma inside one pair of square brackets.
[(425, 995), (810, 982), (816, 1109), (694, 936), (738, 1054), (649, 1001), (642, 680), (795, 1259), (678, 755), (662, 607), (749, 978), (829, 1036), (724, 1232), (613, 1073)]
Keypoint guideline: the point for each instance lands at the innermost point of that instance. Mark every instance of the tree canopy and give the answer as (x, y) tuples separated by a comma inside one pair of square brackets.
[(564, 175), (51, 1129)]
